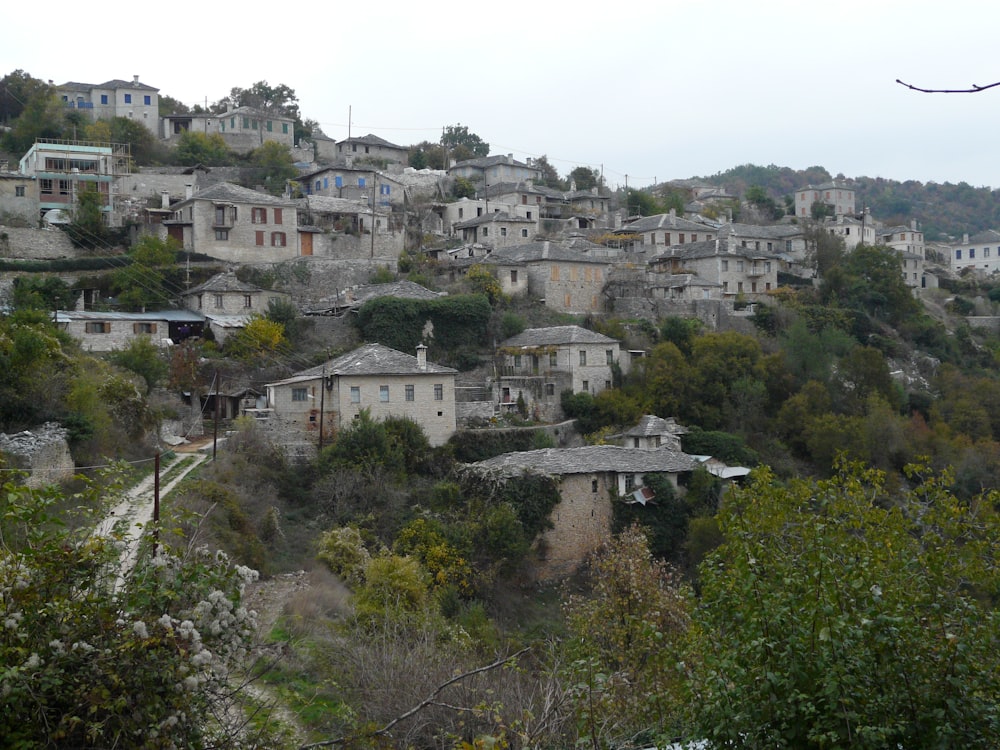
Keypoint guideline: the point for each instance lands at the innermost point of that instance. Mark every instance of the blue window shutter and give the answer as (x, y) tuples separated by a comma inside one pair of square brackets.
[(317, 184), (338, 181), (361, 182)]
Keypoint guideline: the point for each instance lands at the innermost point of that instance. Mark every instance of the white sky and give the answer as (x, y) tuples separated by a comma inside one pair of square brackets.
[(653, 90)]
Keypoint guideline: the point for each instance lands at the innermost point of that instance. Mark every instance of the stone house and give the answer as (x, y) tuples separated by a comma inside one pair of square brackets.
[(236, 224), (980, 252), (908, 242), (538, 364), (853, 231), (18, 199), (371, 149), (591, 480), (838, 196), (491, 170), (569, 276), (666, 230), (115, 98), (654, 432), (321, 400), (497, 229), (227, 303), (108, 331), (247, 128), (354, 183), (740, 270), (788, 239)]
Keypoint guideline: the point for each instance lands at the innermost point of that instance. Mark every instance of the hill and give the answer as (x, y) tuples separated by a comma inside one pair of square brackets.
[(944, 211)]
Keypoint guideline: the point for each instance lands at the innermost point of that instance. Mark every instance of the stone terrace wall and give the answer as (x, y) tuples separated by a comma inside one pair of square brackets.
[(42, 452), (37, 244)]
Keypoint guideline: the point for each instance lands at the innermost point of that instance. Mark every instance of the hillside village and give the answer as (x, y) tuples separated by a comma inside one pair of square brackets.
[(483, 382)]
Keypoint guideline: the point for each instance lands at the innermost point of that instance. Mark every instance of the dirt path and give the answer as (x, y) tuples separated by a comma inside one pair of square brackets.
[(132, 515)]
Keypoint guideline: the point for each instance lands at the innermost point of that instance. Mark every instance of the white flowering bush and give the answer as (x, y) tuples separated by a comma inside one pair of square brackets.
[(83, 665)]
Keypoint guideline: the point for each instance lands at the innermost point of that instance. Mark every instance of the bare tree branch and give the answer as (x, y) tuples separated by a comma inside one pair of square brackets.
[(428, 701), (975, 89)]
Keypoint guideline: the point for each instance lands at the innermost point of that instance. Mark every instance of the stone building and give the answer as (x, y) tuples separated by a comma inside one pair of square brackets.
[(115, 98), (383, 381), (107, 331), (591, 480)]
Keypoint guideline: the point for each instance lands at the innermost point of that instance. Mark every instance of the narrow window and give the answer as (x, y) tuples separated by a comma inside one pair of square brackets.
[(553, 359), (409, 392), (128, 98), (513, 277), (277, 239), (583, 357), (19, 191), (355, 394), (146, 100), (586, 386), (218, 300), (609, 355), (550, 389), (247, 301), (383, 393), (259, 237), (104, 98), (438, 392), (277, 215)]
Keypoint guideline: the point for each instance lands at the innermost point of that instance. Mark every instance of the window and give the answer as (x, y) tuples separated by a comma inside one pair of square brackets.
[(299, 394), (583, 357), (218, 300), (19, 191), (408, 390), (104, 98), (259, 237), (513, 277), (355, 394), (144, 328), (268, 126), (739, 286), (524, 232), (694, 237), (586, 386), (503, 231), (593, 485), (383, 393), (46, 188), (680, 238), (247, 301), (517, 361), (277, 239), (486, 231), (361, 182), (284, 128), (607, 385), (128, 98), (147, 100), (258, 216), (254, 123), (232, 122), (609, 355), (550, 389), (629, 482), (553, 359), (438, 392), (725, 287), (529, 214), (63, 187), (222, 235), (972, 253), (986, 252), (277, 216), (958, 253), (725, 265), (99, 327), (461, 212)]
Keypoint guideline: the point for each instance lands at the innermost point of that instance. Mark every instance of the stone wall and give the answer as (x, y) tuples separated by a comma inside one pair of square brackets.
[(42, 452), (37, 244), (581, 524)]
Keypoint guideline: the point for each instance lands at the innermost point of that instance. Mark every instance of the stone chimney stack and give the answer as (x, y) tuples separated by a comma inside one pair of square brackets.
[(421, 356), (164, 199), (188, 191), (135, 79)]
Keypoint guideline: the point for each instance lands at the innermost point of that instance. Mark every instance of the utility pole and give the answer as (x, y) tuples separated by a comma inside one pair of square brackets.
[(322, 404), (373, 215), (215, 429), (156, 502)]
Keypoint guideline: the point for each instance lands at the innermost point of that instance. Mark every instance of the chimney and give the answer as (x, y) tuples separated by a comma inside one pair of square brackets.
[(421, 357), (135, 79), (164, 199), (673, 217), (965, 238), (913, 224), (188, 191)]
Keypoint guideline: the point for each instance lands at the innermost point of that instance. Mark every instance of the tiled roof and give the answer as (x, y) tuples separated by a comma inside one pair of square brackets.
[(589, 459), (370, 359), (555, 335)]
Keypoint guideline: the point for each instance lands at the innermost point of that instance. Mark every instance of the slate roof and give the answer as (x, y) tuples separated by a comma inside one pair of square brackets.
[(665, 221), (651, 426), (370, 359), (223, 282), (556, 335), (172, 316), (988, 235), (758, 231), (484, 162), (506, 188), (227, 192), (371, 140), (492, 218), (114, 83), (680, 281), (589, 459), (360, 294), (576, 251), (329, 204), (710, 249)]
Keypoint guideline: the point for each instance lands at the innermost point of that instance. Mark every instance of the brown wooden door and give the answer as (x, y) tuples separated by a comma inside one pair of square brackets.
[(307, 243)]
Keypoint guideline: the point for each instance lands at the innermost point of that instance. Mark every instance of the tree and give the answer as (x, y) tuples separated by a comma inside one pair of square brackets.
[(272, 166), (458, 137), (427, 155), (142, 283), (48, 293), (259, 338), (16, 89), (550, 177), (42, 116), (147, 663), (88, 228), (838, 614), (585, 178), (209, 149), (261, 95), (144, 358), (170, 106), (627, 638)]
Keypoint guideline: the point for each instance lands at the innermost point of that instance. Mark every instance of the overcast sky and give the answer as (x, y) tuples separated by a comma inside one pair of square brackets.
[(656, 91)]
